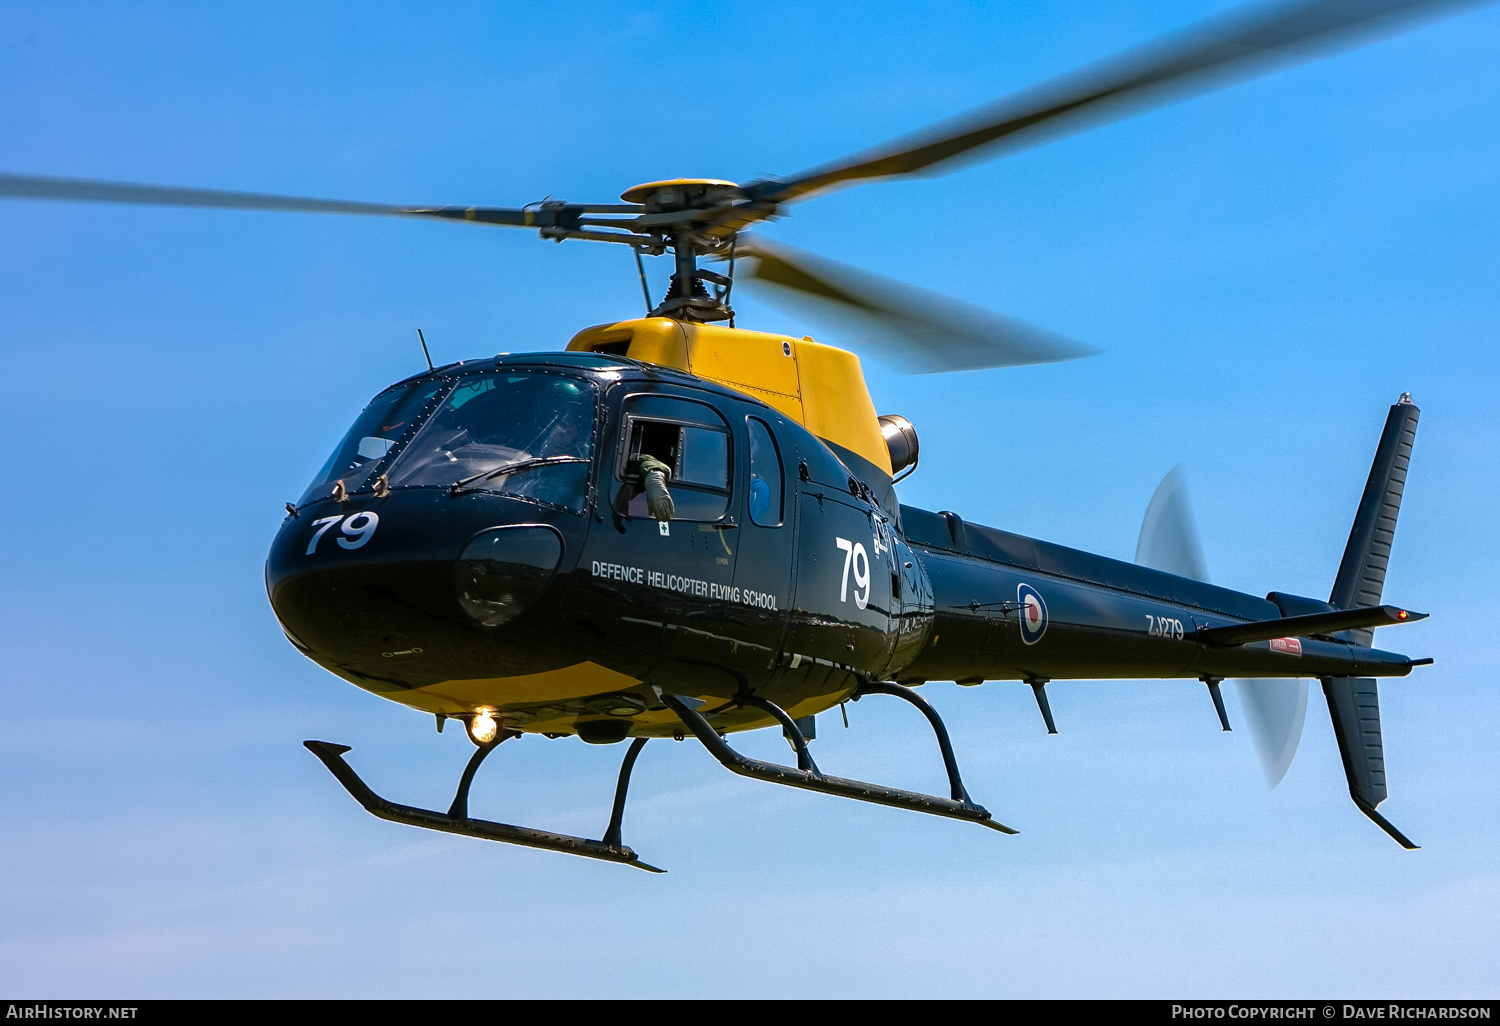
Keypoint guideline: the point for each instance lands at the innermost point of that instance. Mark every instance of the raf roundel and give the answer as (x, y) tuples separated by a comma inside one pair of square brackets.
[(1033, 614)]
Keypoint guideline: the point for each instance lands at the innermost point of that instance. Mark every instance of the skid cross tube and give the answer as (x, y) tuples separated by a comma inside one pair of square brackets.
[(617, 814), (789, 728), (944, 745), (812, 780), (459, 810), (332, 756)]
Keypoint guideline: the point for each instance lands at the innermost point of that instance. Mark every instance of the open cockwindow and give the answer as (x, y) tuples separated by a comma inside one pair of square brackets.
[(692, 440)]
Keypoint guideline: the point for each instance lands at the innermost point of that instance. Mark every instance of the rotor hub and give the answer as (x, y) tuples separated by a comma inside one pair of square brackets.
[(681, 194)]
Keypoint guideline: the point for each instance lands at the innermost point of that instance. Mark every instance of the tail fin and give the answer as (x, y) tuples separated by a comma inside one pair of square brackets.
[(1354, 707), (1353, 702), (1362, 573)]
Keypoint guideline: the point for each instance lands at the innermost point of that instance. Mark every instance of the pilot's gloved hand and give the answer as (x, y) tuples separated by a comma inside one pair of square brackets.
[(656, 474)]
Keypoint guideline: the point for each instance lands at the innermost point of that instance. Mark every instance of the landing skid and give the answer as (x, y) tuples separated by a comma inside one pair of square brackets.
[(808, 776), (457, 821)]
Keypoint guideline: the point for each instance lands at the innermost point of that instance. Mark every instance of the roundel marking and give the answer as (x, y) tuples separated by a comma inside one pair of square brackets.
[(1033, 614)]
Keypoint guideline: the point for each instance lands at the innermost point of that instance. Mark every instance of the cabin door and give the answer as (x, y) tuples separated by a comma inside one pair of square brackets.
[(765, 507)]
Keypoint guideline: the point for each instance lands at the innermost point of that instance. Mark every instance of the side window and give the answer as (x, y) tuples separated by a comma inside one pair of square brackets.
[(705, 457), (764, 500), (690, 438)]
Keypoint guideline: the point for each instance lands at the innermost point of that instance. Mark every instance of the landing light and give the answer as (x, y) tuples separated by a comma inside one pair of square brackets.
[(482, 726)]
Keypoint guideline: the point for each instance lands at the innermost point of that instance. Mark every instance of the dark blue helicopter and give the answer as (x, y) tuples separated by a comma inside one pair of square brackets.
[(483, 546), (680, 527)]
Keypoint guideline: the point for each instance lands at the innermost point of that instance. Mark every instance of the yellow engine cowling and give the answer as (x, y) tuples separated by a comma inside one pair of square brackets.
[(821, 387)]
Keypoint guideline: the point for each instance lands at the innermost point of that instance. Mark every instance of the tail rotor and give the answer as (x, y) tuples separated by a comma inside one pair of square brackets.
[(1275, 708)]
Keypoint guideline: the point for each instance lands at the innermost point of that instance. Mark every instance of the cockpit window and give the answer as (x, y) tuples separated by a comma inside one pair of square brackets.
[(692, 440), (501, 419), (390, 416)]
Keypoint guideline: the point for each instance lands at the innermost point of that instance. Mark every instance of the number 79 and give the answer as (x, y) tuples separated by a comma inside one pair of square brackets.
[(357, 526), (856, 557)]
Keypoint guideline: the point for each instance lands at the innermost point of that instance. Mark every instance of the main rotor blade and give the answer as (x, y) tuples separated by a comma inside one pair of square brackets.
[(922, 332), (1245, 43), (44, 187)]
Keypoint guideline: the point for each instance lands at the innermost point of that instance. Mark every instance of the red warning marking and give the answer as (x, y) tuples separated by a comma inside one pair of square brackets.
[(1291, 646)]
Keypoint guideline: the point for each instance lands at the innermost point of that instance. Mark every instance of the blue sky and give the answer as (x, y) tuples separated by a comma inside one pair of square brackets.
[(1265, 268)]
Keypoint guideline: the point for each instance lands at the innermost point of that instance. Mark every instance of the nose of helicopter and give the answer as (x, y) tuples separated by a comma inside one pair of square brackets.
[(399, 593), (502, 572)]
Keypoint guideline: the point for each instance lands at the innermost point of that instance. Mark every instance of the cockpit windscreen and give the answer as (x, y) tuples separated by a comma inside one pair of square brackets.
[(502, 419), (390, 416)]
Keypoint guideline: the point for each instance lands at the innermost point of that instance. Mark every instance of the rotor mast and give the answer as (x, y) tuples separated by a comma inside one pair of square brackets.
[(687, 216)]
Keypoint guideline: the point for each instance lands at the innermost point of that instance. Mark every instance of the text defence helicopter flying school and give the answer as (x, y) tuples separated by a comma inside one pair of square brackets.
[(680, 527)]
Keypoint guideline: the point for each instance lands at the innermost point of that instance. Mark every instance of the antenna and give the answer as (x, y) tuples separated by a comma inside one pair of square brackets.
[(424, 349)]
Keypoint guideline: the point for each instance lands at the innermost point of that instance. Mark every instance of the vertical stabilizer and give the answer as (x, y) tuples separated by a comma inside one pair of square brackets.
[(1362, 573), (1354, 706), (1353, 702)]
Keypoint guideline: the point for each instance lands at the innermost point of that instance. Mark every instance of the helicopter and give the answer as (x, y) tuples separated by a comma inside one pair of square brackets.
[(490, 543)]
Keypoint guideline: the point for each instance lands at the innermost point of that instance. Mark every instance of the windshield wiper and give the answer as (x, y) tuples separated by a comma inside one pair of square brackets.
[(458, 488)]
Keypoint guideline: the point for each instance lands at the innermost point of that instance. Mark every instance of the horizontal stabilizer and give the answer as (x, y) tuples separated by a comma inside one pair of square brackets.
[(1303, 626)]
